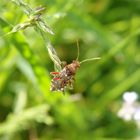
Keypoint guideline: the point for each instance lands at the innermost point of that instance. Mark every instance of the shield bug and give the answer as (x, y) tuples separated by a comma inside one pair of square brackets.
[(65, 78)]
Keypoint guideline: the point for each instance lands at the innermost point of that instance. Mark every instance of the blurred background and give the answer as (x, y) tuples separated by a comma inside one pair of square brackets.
[(104, 103)]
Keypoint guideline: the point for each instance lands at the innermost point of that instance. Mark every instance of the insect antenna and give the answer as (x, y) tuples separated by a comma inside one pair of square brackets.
[(90, 59)]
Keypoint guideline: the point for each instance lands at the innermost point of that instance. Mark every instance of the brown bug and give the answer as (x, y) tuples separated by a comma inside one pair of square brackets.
[(65, 78)]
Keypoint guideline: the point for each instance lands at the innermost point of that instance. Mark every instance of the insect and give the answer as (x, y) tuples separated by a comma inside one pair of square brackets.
[(65, 78)]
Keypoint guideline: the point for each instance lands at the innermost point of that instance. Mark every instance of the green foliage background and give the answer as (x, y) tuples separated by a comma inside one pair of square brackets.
[(106, 28)]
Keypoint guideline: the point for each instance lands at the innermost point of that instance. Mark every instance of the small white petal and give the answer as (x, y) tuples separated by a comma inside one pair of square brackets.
[(137, 115), (130, 97)]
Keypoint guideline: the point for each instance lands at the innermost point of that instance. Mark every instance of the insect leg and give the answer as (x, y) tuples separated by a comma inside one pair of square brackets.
[(54, 73)]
